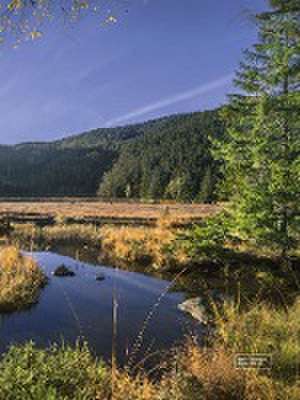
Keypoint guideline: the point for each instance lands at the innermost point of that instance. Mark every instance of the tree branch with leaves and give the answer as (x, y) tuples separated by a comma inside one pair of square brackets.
[(26, 19)]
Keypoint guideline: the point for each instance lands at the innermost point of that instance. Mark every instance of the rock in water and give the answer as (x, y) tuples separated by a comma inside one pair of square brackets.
[(195, 308), (100, 277), (63, 271)]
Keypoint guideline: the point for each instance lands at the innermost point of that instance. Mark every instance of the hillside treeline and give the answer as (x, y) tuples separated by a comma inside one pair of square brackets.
[(173, 162), (165, 158)]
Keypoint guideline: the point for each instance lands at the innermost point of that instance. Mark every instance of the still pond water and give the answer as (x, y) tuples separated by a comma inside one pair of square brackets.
[(81, 306)]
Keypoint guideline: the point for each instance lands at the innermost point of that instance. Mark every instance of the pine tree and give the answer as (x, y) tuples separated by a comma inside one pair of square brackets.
[(207, 187), (262, 146)]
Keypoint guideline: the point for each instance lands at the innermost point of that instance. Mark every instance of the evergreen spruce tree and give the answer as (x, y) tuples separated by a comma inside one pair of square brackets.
[(176, 188), (262, 145), (207, 187)]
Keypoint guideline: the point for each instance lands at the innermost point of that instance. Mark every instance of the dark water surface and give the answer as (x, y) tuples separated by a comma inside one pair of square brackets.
[(80, 306)]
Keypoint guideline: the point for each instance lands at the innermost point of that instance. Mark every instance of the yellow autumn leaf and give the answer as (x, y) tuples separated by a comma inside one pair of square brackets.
[(15, 5), (83, 4), (111, 19), (35, 34)]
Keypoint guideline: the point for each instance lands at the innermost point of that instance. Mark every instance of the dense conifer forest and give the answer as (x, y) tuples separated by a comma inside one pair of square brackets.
[(164, 158)]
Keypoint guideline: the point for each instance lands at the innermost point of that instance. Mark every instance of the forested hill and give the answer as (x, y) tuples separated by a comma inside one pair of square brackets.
[(167, 157), (172, 163)]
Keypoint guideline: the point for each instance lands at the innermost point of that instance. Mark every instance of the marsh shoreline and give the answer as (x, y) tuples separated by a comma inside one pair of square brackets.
[(241, 275)]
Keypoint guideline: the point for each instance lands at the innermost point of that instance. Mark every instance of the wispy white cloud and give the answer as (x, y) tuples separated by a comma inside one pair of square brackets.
[(171, 100)]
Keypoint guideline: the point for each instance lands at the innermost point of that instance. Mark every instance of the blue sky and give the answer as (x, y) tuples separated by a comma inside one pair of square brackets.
[(161, 57)]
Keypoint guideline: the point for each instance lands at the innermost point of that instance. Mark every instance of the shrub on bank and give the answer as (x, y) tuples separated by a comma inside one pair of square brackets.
[(58, 373), (20, 280)]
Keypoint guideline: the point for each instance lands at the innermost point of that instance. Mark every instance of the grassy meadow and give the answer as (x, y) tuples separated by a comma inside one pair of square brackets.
[(77, 208)]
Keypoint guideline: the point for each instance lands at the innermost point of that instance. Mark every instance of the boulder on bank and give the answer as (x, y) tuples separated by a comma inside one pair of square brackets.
[(195, 308), (63, 271)]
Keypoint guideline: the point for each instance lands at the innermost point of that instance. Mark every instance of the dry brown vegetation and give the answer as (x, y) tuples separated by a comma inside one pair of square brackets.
[(131, 245), (214, 371), (98, 209), (142, 245), (123, 245), (33, 235), (20, 280)]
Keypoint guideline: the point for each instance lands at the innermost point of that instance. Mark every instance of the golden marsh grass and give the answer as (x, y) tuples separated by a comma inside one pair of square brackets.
[(20, 280), (99, 209)]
